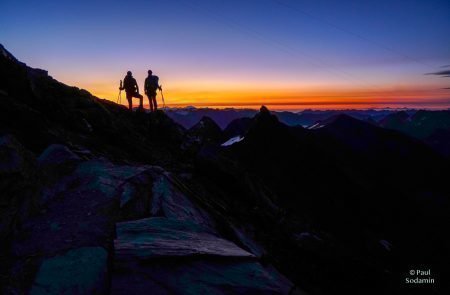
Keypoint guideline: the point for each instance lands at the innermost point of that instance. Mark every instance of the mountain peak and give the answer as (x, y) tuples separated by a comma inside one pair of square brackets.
[(205, 124), (207, 120), (265, 115), (264, 110), (206, 128), (343, 118)]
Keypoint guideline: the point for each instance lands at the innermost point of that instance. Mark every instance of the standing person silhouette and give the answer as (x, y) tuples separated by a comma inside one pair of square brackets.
[(132, 90), (151, 85)]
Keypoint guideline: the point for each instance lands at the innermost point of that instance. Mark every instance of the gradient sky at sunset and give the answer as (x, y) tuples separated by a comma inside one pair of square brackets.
[(284, 53)]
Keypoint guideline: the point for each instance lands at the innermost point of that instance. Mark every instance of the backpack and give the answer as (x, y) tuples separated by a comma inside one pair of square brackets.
[(129, 83), (152, 84)]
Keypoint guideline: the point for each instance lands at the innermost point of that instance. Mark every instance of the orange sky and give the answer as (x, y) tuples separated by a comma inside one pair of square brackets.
[(287, 97), (351, 54)]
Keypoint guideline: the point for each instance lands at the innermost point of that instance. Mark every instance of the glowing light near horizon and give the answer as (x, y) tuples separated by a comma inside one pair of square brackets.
[(290, 98)]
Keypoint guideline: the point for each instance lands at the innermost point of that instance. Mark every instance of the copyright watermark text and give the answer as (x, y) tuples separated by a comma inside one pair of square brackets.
[(420, 276)]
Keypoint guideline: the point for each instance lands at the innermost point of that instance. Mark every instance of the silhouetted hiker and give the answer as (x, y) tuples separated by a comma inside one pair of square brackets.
[(151, 85), (132, 90)]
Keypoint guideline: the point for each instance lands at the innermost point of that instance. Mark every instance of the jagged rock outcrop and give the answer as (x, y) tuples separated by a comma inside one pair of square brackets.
[(69, 242)]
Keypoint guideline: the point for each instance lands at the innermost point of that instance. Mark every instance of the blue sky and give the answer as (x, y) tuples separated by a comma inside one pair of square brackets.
[(213, 51)]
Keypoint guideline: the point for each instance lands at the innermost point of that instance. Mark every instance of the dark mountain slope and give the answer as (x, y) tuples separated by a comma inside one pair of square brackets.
[(353, 186), (420, 125), (430, 126), (237, 127), (40, 110), (391, 153)]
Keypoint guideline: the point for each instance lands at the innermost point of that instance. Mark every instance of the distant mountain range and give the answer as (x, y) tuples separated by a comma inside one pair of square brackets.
[(432, 127), (189, 116)]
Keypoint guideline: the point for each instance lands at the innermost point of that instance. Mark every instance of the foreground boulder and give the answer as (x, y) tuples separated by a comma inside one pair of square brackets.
[(166, 256), (79, 271), (181, 249), (67, 246), (64, 245)]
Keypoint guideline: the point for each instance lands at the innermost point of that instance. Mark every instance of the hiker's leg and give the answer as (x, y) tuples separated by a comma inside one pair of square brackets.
[(150, 103), (140, 97), (155, 104), (130, 101)]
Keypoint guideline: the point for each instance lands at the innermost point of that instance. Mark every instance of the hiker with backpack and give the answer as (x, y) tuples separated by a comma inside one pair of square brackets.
[(151, 85), (132, 90)]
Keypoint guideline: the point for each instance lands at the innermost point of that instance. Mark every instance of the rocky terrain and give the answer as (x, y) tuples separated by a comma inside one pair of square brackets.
[(99, 200)]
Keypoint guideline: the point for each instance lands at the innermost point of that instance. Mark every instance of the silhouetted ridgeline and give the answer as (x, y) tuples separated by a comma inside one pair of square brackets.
[(97, 199), (189, 116), (433, 127)]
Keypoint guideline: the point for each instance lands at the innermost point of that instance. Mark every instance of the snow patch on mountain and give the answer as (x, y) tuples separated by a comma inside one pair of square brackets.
[(316, 126), (233, 140)]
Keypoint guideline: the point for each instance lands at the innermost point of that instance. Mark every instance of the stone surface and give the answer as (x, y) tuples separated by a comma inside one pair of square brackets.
[(78, 211), (57, 155), (169, 201), (160, 255), (136, 196), (78, 271), (158, 237)]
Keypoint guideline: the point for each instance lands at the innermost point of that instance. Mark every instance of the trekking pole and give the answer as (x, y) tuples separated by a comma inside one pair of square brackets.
[(162, 97), (119, 97)]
